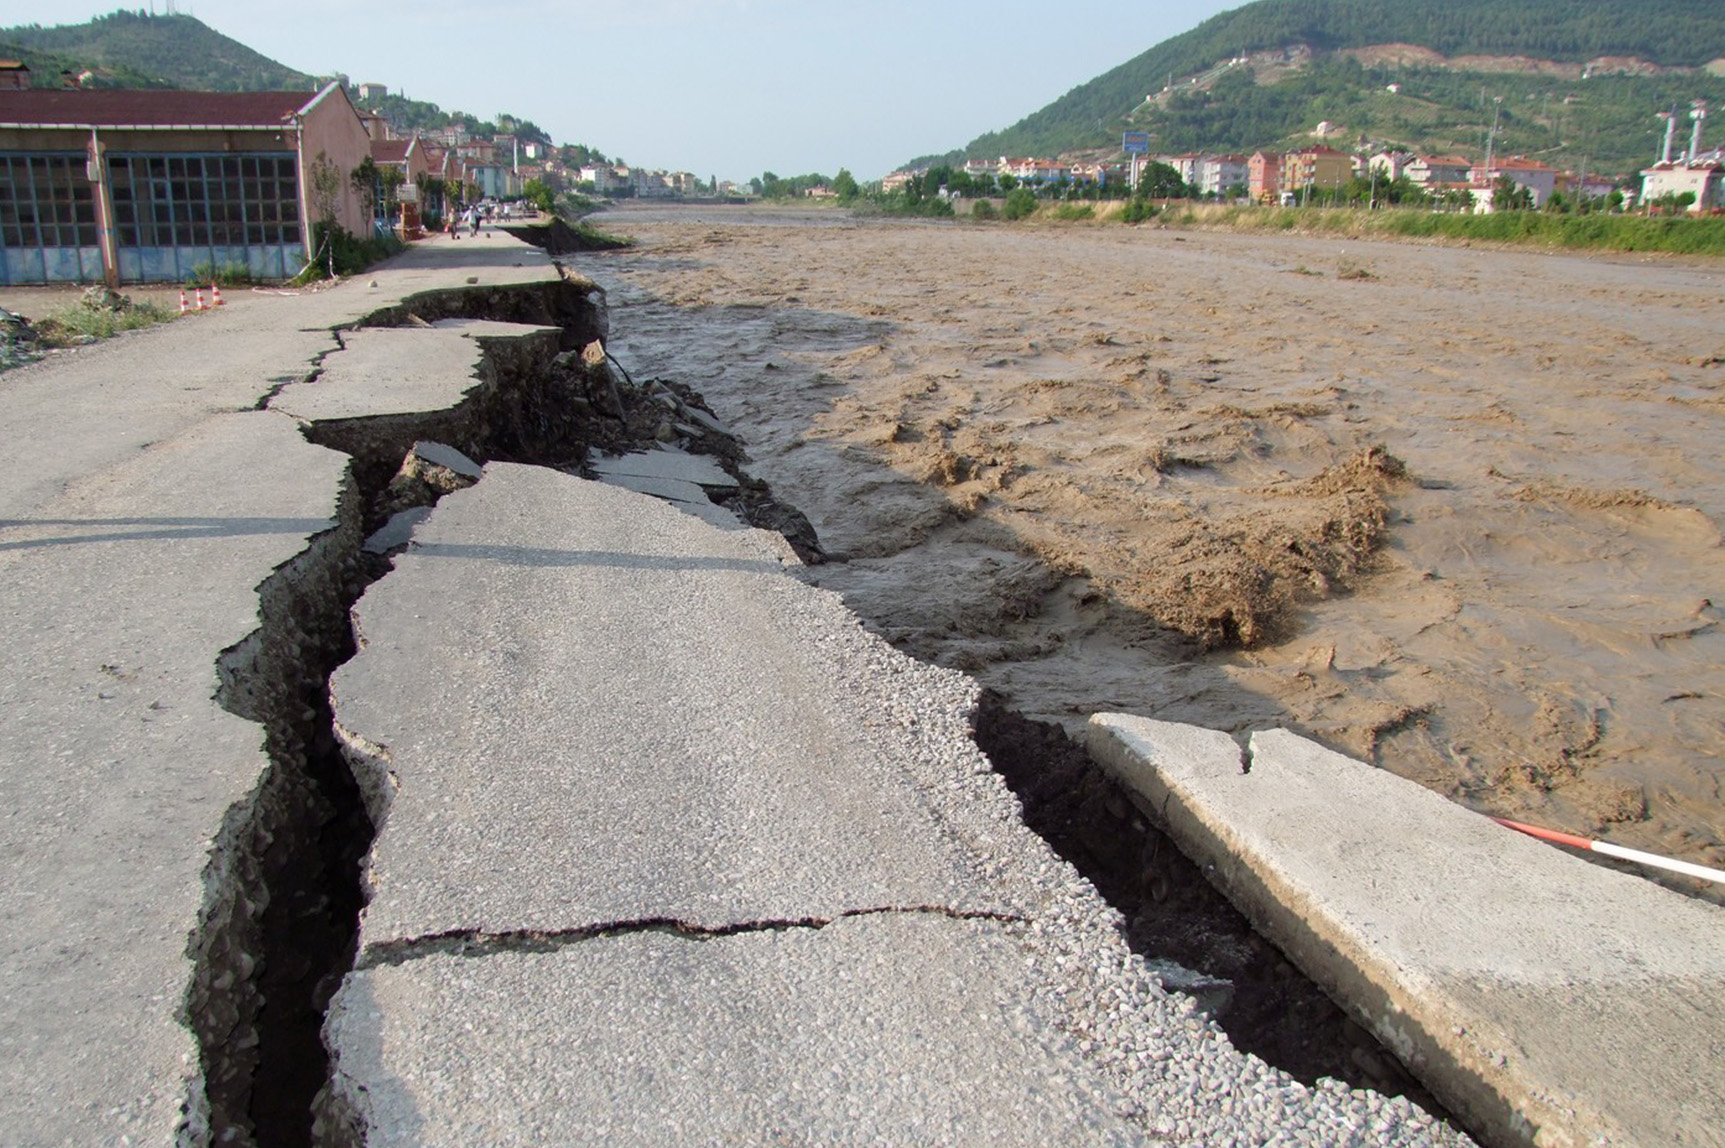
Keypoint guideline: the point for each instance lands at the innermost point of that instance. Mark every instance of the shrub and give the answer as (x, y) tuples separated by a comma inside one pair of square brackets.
[(340, 252), (1137, 211), (227, 275), (78, 324), (1020, 203), (983, 210), (1073, 212)]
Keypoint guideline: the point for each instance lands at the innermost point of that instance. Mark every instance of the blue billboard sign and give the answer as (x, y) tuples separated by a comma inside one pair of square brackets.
[(1135, 143)]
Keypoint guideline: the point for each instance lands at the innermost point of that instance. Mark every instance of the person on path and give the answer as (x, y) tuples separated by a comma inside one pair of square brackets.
[(473, 219)]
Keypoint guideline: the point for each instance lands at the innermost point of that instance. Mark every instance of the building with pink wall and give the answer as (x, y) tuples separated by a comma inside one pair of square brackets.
[(128, 186)]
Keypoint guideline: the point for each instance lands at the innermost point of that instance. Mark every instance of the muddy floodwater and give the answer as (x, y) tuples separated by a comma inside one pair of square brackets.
[(1453, 511)]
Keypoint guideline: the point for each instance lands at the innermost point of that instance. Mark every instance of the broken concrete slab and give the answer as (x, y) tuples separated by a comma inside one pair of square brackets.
[(153, 519), (666, 464), (391, 371), (669, 489), (450, 459), (120, 772), (685, 496), (591, 707), (796, 1035), (664, 798), (398, 531), (1547, 1000)]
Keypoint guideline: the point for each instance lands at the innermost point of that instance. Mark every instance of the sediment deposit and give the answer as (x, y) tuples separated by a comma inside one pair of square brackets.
[(1455, 511)]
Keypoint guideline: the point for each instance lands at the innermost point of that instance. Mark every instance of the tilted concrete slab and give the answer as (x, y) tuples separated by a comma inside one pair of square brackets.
[(685, 496), (668, 464), (874, 1030), (1547, 1000), (592, 708), (438, 454), (381, 371)]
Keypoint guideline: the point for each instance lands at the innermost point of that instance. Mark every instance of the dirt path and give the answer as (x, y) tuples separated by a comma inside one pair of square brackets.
[(1456, 512)]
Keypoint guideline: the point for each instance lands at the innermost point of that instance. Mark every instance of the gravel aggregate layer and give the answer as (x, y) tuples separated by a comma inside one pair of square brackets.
[(641, 788)]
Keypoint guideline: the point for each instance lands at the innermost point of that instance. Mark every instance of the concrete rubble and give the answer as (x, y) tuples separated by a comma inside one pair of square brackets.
[(1546, 1000)]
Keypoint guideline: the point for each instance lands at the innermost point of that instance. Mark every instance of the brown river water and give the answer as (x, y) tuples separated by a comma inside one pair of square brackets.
[(1453, 511)]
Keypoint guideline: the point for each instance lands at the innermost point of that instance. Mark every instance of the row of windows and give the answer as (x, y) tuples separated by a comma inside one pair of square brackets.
[(205, 200), (46, 201), (159, 201)]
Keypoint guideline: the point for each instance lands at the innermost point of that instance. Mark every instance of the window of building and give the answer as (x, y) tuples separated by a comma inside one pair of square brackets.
[(46, 201), (218, 200)]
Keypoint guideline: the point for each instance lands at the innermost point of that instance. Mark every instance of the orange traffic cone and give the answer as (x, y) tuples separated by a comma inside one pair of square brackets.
[(184, 307), (198, 294), (215, 295)]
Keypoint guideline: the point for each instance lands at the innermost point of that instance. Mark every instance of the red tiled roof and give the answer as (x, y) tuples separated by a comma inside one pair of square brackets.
[(111, 108)]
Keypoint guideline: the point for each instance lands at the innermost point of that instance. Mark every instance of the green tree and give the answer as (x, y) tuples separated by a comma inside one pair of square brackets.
[(1161, 181), (845, 186), (1020, 202), (539, 194), (1507, 196), (364, 179)]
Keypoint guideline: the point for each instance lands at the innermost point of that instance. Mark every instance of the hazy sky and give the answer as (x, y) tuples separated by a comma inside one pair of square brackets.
[(718, 87)]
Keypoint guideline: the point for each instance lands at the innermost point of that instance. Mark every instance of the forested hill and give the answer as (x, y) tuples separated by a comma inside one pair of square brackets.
[(132, 49), (1670, 33)]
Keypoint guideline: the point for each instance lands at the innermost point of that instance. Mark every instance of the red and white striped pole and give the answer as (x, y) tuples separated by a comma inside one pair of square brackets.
[(1701, 872)]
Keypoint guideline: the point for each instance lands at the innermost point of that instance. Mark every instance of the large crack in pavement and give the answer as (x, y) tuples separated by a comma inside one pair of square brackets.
[(478, 943), (283, 889), (286, 889)]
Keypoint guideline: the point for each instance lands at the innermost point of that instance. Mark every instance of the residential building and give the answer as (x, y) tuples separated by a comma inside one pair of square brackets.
[(1316, 167), (422, 172), (600, 175), (1187, 164), (373, 91), (1218, 173), (1264, 176), (1036, 171), (1535, 177), (1704, 178), (1431, 170), (1390, 164), (144, 186)]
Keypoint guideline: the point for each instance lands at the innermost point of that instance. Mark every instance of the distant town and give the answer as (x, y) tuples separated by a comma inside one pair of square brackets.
[(1691, 180)]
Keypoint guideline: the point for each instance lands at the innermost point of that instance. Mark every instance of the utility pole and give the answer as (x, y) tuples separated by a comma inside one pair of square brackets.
[(1491, 136)]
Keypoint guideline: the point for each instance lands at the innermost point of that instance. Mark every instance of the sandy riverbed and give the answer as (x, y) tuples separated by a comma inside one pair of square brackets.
[(1454, 511)]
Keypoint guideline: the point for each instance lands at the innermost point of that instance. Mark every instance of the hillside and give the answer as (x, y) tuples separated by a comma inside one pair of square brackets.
[(133, 50), (127, 49), (1304, 64)]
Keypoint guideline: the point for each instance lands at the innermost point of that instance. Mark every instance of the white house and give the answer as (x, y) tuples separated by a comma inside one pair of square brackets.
[(1217, 173), (1528, 174), (1705, 178)]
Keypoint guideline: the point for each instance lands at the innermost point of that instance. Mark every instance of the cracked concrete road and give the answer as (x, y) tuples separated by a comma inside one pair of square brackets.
[(672, 850), (147, 499)]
